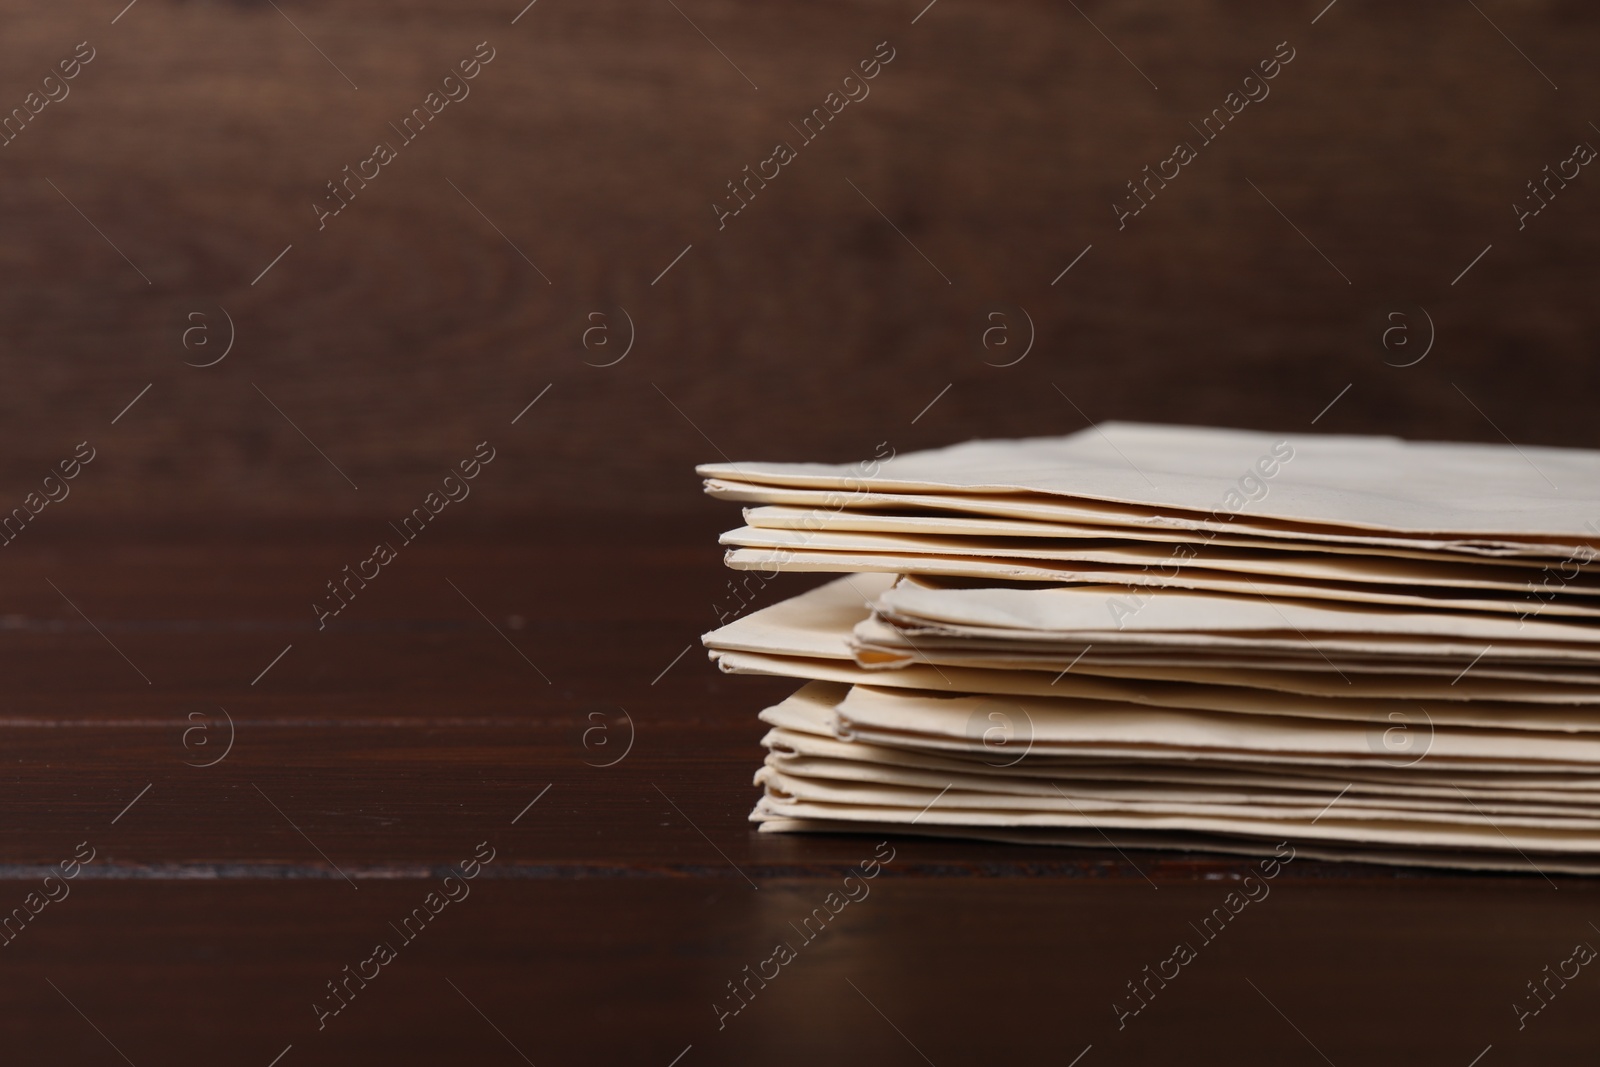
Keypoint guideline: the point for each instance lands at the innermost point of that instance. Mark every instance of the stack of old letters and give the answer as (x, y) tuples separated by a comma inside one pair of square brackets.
[(1174, 637)]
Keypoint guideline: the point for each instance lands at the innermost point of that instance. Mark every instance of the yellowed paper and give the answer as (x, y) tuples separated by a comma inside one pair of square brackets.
[(1357, 482)]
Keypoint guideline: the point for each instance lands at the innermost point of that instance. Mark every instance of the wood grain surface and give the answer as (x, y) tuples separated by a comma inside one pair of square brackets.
[(824, 317), (230, 883), (266, 399)]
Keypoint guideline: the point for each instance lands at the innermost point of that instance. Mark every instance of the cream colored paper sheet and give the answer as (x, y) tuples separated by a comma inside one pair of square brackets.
[(1044, 683), (1288, 643), (1126, 520), (1105, 613), (977, 528), (913, 719), (808, 637), (1133, 840), (803, 752), (902, 806), (977, 793), (1141, 582), (1368, 483), (1317, 566)]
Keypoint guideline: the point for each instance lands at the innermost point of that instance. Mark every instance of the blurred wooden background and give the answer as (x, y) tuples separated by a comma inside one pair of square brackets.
[(598, 138)]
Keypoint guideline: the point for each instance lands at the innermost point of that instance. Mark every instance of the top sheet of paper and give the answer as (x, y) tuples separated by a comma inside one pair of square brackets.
[(1376, 483)]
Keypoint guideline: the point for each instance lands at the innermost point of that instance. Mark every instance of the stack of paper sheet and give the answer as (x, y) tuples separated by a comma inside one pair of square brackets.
[(1186, 638)]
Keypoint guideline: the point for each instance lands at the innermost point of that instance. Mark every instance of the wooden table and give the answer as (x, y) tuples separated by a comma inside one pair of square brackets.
[(469, 696)]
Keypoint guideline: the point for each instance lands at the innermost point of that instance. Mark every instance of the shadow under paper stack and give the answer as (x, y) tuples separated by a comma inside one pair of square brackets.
[(1176, 637)]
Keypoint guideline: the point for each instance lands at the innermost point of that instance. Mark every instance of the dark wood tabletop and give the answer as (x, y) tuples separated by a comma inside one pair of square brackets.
[(227, 785), (263, 802)]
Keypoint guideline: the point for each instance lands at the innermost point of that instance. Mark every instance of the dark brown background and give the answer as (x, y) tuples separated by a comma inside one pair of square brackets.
[(599, 137), (410, 330)]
